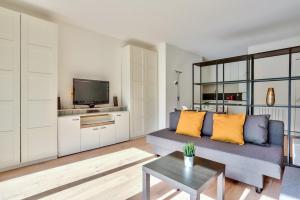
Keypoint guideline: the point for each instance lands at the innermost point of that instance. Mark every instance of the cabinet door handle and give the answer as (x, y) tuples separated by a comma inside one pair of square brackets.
[(75, 119), (103, 127), (119, 115), (95, 129)]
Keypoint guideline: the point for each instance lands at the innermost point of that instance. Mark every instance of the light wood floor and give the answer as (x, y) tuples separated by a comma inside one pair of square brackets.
[(112, 172)]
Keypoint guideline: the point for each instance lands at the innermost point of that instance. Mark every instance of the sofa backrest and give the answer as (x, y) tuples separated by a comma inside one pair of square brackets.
[(276, 128), (276, 132)]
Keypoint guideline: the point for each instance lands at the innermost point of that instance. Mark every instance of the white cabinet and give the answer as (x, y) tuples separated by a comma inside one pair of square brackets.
[(107, 135), (83, 132), (39, 89), (99, 136), (140, 89), (68, 135), (9, 88), (150, 97), (90, 138), (122, 126)]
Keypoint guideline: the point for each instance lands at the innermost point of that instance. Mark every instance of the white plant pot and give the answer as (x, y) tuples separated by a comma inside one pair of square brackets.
[(189, 161)]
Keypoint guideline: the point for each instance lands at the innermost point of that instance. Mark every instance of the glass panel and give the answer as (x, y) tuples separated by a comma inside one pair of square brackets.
[(296, 92), (295, 144), (271, 67), (231, 71), (276, 113), (296, 64), (235, 93), (209, 92), (197, 94), (208, 74), (220, 72), (280, 89), (235, 109), (242, 70), (295, 123), (196, 74), (235, 71)]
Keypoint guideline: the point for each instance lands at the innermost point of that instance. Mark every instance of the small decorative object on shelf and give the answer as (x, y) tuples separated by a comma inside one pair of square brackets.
[(115, 98), (270, 99), (189, 154)]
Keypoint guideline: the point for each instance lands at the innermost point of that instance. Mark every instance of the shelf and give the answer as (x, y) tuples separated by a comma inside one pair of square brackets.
[(96, 124), (222, 82), (221, 104), (276, 79), (96, 120)]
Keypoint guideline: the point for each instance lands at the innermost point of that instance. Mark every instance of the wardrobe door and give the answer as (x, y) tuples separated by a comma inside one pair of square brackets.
[(137, 111), (150, 92), (9, 88), (39, 89)]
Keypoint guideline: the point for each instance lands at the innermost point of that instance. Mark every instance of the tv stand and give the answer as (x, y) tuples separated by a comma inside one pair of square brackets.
[(85, 131)]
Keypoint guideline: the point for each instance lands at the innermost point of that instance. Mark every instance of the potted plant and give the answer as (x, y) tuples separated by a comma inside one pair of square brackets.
[(189, 154)]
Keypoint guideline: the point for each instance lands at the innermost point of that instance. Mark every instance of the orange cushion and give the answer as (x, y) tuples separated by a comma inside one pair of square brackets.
[(190, 123), (229, 128)]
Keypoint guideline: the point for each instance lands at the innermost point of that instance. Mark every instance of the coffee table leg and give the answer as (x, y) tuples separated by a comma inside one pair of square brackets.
[(146, 186), (220, 186)]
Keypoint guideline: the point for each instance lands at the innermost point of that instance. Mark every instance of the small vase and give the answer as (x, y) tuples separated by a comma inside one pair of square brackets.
[(270, 99), (189, 161)]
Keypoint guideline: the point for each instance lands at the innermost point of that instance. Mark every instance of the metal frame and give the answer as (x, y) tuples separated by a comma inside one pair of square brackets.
[(250, 81)]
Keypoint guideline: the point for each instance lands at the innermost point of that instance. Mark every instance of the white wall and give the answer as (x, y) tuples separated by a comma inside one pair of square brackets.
[(172, 58), (87, 55)]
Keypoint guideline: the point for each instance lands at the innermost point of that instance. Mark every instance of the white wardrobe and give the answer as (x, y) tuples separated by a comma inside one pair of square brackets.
[(28, 89), (140, 89)]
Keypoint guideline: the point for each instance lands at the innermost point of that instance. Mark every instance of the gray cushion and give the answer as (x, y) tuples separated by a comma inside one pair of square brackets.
[(290, 186), (207, 128), (174, 118), (271, 154), (276, 132), (208, 124), (256, 129)]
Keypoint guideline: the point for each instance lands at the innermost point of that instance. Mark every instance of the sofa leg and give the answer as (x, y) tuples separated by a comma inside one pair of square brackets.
[(258, 190), (157, 156)]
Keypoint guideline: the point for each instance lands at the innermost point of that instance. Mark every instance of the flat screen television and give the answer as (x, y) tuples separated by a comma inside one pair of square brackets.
[(90, 92)]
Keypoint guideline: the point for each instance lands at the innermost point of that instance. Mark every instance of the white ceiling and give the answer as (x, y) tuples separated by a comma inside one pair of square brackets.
[(212, 28)]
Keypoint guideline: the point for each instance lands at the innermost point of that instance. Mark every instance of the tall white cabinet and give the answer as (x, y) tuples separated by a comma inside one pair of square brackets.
[(9, 88), (28, 89), (140, 89), (39, 88)]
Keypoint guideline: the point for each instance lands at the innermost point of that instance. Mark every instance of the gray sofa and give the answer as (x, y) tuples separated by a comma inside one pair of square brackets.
[(247, 163)]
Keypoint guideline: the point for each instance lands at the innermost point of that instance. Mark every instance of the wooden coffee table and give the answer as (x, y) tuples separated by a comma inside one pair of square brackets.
[(193, 180)]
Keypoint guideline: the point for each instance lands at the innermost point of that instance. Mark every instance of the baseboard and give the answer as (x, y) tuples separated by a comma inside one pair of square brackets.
[(28, 163)]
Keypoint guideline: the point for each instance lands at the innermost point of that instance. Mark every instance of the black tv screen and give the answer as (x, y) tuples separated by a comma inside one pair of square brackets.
[(90, 92)]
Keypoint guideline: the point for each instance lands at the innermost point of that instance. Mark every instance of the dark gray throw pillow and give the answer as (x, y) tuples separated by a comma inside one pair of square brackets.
[(256, 129), (207, 128), (173, 120), (208, 124)]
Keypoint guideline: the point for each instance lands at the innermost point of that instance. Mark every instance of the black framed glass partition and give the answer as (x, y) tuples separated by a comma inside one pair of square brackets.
[(240, 84)]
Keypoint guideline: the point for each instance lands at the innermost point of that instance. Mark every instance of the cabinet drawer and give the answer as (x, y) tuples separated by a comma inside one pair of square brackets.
[(107, 135), (89, 138)]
